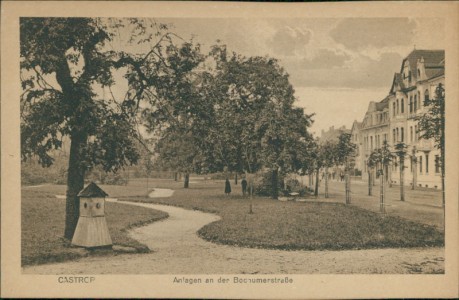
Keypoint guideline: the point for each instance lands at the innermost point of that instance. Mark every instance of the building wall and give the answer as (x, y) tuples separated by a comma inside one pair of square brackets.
[(398, 124), (428, 172)]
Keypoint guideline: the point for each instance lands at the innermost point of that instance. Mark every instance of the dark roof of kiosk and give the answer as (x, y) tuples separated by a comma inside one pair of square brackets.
[(92, 190)]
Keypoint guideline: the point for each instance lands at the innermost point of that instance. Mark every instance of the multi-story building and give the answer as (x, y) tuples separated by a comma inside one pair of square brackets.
[(332, 134), (393, 119), (373, 130)]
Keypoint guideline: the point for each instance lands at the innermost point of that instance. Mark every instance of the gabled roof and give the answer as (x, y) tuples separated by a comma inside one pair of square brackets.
[(397, 81), (356, 124), (434, 72), (380, 106), (432, 58), (92, 190)]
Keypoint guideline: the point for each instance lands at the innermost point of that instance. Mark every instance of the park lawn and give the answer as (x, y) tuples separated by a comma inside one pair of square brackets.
[(294, 225), (43, 217)]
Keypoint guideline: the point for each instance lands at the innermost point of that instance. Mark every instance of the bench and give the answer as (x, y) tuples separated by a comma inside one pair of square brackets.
[(294, 195)]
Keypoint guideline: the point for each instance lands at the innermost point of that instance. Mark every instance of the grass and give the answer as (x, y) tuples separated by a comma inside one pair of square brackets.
[(43, 217), (274, 224), (294, 225)]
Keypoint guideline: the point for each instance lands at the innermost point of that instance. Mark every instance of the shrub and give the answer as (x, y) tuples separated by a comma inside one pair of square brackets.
[(262, 184)]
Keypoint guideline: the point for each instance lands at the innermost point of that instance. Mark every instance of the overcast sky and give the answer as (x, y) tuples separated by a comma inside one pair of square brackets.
[(337, 66)]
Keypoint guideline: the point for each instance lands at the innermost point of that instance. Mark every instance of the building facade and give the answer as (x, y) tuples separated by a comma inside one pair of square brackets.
[(393, 119)]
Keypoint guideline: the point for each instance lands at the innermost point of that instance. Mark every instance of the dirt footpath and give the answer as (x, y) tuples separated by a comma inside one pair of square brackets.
[(178, 250)]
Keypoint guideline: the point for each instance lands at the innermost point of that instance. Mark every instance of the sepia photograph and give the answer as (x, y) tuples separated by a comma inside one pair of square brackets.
[(228, 152)]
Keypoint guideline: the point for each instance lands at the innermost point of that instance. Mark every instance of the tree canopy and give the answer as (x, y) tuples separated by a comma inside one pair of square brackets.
[(66, 62)]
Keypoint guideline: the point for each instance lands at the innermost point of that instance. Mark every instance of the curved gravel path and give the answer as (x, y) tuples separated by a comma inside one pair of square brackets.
[(176, 249)]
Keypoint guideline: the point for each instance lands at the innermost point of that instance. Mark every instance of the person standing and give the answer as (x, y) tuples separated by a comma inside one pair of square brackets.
[(244, 186), (227, 187)]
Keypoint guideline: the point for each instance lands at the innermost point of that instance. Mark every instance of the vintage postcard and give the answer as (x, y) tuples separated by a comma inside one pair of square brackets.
[(229, 150)]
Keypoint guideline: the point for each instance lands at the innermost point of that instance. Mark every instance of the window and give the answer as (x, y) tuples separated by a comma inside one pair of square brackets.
[(393, 109), (411, 133), (393, 136), (419, 99), (398, 110), (426, 95), (402, 130), (427, 163), (419, 74), (371, 143), (437, 164), (414, 102), (402, 106), (420, 164), (410, 104), (398, 137), (416, 134)]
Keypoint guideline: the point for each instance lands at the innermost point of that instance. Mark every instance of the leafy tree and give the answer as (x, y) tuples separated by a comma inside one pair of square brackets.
[(322, 156), (64, 63), (177, 152), (380, 158), (345, 152), (400, 151), (371, 164), (432, 126), (250, 121), (328, 154)]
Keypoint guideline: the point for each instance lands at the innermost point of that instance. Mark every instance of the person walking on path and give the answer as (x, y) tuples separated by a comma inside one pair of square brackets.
[(244, 186), (227, 187)]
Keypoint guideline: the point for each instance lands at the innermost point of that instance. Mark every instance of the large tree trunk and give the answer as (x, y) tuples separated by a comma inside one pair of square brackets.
[(274, 183), (326, 182), (235, 178), (75, 183)]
